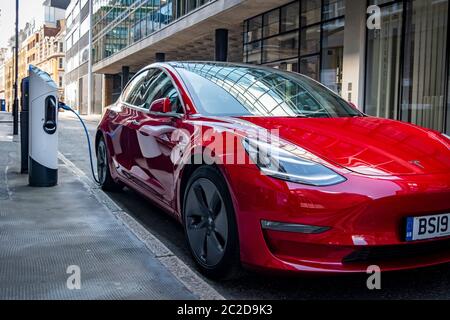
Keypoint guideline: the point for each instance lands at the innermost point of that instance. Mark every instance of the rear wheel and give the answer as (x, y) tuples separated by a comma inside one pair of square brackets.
[(103, 173), (210, 224)]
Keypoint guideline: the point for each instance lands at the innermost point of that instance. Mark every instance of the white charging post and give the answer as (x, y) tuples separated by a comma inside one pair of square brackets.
[(43, 126)]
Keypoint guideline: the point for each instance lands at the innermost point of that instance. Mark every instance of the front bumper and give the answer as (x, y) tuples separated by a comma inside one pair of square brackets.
[(366, 217)]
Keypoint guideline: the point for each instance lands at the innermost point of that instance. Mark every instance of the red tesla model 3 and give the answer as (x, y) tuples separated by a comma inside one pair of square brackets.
[(326, 189)]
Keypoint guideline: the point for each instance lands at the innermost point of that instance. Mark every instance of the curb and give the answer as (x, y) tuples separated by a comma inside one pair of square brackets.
[(164, 255)]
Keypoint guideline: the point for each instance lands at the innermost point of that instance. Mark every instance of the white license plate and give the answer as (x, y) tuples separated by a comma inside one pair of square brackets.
[(427, 227)]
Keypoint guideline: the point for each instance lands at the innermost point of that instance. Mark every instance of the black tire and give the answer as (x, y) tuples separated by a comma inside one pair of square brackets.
[(106, 181), (210, 225)]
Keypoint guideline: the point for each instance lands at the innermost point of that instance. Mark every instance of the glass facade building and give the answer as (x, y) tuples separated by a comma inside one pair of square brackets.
[(303, 36), (77, 59), (118, 24), (407, 63)]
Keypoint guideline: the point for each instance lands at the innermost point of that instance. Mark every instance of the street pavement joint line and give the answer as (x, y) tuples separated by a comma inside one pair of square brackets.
[(161, 252)]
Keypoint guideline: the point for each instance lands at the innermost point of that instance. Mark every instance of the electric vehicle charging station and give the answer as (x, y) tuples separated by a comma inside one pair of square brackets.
[(39, 129), (43, 129)]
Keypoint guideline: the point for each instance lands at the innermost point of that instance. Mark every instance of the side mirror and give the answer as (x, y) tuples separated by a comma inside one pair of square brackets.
[(161, 106)]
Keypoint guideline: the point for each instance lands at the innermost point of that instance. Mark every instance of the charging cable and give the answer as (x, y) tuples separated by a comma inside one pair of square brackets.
[(64, 106)]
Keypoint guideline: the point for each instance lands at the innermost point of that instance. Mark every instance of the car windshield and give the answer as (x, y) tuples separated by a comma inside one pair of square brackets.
[(235, 90)]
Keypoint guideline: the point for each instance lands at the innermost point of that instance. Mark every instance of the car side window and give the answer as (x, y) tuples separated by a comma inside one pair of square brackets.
[(163, 87), (133, 89), (145, 88)]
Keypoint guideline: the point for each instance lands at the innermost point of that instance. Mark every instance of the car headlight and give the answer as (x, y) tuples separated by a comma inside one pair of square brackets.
[(280, 162)]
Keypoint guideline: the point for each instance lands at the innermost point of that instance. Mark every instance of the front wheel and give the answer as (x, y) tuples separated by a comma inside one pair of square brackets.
[(103, 173), (210, 224)]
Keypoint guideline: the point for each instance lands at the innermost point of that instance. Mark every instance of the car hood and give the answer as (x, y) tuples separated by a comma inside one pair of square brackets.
[(366, 145)]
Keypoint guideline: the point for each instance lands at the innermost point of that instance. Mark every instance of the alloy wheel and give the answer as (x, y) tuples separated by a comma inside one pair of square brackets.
[(101, 162), (206, 222)]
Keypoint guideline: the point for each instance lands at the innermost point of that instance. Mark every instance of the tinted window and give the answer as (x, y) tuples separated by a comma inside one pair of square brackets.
[(221, 89), (133, 90), (146, 88), (162, 87)]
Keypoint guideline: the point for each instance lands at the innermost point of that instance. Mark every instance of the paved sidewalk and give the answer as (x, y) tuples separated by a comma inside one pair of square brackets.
[(43, 231)]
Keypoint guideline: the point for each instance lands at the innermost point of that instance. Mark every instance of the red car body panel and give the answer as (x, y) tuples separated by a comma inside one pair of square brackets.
[(367, 145), (366, 213)]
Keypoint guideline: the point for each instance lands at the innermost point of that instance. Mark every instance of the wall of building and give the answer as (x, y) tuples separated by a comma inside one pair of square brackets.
[(2, 81), (9, 82), (3, 57), (54, 11), (39, 45), (10, 76), (40, 49), (398, 71), (77, 56), (51, 54)]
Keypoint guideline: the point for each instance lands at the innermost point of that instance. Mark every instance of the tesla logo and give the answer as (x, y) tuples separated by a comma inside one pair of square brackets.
[(417, 163)]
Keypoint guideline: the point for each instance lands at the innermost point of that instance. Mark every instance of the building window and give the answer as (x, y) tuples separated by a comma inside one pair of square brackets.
[(290, 19), (112, 33), (60, 82), (280, 47), (254, 29), (61, 47), (332, 54), (84, 27), (423, 89), (383, 63), (409, 83), (333, 9), (49, 14), (271, 23), (304, 36), (310, 12), (253, 52), (61, 63)]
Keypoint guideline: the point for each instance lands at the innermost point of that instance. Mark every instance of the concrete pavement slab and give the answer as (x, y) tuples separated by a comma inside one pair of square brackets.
[(47, 232)]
